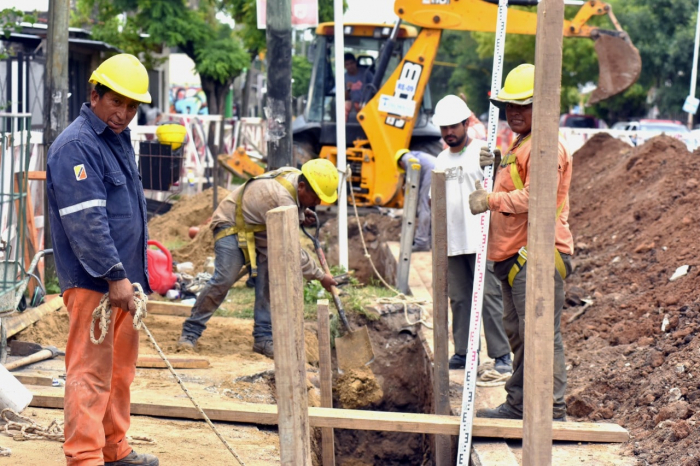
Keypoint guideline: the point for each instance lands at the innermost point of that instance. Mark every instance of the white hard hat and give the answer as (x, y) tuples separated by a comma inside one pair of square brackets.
[(451, 110)]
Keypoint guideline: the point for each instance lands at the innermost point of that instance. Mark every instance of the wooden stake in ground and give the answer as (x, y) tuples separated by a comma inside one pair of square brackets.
[(441, 376), (539, 304), (287, 306), (326, 377)]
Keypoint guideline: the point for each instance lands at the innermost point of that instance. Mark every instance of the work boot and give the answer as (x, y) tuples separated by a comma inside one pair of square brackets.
[(504, 411), (420, 248), (504, 365), (187, 341), (264, 347), (133, 458), (458, 361)]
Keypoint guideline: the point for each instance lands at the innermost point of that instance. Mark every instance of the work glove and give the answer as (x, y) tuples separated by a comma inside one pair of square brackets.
[(486, 157), (479, 200)]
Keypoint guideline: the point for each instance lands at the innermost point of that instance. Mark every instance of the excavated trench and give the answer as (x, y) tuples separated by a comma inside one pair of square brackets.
[(402, 369)]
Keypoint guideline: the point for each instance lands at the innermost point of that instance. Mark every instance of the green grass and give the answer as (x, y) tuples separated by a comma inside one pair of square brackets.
[(175, 243), (238, 303)]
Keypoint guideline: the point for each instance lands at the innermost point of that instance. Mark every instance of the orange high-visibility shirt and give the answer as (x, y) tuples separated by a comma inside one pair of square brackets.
[(509, 206)]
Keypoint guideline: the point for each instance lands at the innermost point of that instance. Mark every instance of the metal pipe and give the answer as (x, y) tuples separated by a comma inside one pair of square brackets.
[(339, 39)]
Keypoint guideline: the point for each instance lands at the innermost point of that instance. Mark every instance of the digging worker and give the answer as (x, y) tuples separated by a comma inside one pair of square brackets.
[(461, 164), (98, 226), (240, 238), (508, 237), (422, 237)]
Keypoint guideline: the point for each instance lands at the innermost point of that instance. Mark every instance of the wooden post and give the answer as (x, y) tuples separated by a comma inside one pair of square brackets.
[(278, 109), (441, 374), (287, 305), (55, 99), (326, 377), (539, 307)]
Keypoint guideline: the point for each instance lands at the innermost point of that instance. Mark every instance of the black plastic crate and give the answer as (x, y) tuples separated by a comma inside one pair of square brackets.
[(159, 165)]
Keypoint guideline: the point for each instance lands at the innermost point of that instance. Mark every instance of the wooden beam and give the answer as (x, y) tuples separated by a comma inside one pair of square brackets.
[(287, 309), (539, 291), (250, 413), (17, 322), (155, 362), (165, 308), (441, 371), (326, 378), (34, 379)]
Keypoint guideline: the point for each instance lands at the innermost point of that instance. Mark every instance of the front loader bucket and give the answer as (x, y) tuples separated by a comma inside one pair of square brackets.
[(619, 66)]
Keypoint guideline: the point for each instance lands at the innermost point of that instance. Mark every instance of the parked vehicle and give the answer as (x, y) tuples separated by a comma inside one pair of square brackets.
[(648, 128), (572, 120)]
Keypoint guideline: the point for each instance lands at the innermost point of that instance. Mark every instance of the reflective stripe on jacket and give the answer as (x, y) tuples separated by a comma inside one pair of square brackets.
[(96, 206)]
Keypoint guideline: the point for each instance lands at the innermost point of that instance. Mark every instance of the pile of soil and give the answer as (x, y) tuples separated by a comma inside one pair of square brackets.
[(376, 228), (173, 227), (357, 388), (633, 354)]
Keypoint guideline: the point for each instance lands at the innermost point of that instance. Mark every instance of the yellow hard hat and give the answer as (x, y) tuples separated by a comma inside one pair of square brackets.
[(125, 75), (519, 86), (400, 153), (173, 134), (323, 178)]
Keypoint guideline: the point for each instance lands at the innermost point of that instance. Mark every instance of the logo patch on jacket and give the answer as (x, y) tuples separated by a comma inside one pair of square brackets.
[(80, 173)]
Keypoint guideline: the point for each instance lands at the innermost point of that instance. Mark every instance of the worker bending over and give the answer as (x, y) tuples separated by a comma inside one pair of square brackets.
[(461, 164), (508, 236), (240, 238), (422, 237), (98, 226)]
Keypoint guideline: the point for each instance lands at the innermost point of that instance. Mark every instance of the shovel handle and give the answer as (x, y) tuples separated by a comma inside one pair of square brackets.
[(334, 289), (36, 357)]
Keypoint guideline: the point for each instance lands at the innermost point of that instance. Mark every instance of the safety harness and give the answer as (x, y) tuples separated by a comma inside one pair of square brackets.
[(518, 183), (245, 231)]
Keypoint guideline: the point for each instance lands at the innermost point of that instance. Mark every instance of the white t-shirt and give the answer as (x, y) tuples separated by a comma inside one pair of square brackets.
[(462, 170)]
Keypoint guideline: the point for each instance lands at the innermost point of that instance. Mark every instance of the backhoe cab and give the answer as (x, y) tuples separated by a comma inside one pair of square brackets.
[(396, 105)]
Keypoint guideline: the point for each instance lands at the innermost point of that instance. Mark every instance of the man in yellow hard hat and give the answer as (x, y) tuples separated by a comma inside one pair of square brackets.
[(508, 204), (240, 238), (98, 226)]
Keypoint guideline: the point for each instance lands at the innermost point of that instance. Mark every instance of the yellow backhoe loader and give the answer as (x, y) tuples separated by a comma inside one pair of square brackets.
[(397, 102)]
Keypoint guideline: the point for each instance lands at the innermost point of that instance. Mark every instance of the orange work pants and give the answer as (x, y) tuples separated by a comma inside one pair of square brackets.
[(97, 400)]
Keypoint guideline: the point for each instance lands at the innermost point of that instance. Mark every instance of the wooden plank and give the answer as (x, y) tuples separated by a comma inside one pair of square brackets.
[(539, 291), (21, 320), (34, 379), (489, 453), (155, 362), (287, 309), (27, 232), (230, 411), (441, 371), (165, 308), (37, 175), (326, 377)]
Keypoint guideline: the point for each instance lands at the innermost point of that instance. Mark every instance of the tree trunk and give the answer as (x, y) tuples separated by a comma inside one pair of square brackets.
[(245, 98), (215, 91)]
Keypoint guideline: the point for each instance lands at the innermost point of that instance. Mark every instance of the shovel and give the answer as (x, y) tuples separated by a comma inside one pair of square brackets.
[(353, 349)]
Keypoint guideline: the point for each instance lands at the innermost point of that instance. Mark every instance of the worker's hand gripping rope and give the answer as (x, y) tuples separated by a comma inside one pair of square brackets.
[(103, 312)]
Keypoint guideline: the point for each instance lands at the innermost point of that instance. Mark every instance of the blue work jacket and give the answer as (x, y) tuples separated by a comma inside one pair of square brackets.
[(96, 206)]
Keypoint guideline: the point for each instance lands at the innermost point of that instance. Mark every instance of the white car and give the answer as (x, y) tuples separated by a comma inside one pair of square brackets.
[(646, 129)]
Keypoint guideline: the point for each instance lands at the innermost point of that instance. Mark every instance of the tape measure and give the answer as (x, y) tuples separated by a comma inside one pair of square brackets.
[(469, 393)]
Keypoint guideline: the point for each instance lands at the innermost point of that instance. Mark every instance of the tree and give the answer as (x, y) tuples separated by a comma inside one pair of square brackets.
[(9, 23), (142, 27)]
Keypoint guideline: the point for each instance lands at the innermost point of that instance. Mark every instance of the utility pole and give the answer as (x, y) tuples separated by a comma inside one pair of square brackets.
[(55, 99), (278, 109)]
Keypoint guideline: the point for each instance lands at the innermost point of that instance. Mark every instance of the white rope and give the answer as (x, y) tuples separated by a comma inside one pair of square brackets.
[(103, 312), (398, 298), (488, 376)]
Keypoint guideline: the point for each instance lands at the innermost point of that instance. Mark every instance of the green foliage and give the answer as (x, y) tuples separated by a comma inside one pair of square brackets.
[(221, 57), (10, 19), (52, 286), (301, 75)]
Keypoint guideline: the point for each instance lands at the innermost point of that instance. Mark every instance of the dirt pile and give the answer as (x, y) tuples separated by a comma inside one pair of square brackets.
[(358, 388), (171, 229), (633, 354), (376, 228)]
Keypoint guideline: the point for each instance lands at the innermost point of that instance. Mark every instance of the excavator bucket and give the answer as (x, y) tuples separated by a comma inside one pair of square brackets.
[(619, 66), (240, 164)]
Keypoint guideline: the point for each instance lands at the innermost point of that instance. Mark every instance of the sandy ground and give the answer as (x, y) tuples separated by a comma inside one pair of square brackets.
[(178, 442)]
